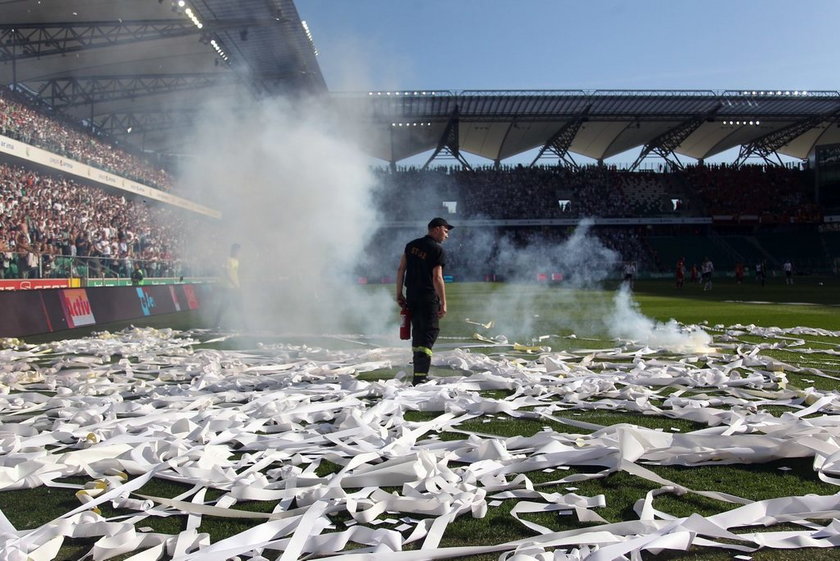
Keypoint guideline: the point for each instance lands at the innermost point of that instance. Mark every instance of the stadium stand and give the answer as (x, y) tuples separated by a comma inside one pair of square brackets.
[(22, 121), (773, 194), (52, 226), (804, 247), (694, 249), (754, 213), (763, 194)]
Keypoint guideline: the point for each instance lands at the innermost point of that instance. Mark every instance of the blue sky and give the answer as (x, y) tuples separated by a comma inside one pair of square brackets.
[(586, 44), (575, 45)]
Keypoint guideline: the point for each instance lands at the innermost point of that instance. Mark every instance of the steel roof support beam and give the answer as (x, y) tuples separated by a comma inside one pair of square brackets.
[(71, 92), (117, 125), (766, 146), (559, 143), (31, 40), (665, 144), (448, 145)]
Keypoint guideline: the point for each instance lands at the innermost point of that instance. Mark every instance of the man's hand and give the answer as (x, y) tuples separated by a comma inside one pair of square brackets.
[(401, 300)]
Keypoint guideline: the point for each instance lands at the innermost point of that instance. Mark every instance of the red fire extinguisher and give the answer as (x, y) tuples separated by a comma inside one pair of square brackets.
[(405, 323)]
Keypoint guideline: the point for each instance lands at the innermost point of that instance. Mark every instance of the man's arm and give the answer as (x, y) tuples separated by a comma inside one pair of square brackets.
[(401, 281), (440, 288)]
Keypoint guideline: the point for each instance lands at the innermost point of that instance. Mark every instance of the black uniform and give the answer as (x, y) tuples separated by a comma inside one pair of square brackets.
[(422, 256)]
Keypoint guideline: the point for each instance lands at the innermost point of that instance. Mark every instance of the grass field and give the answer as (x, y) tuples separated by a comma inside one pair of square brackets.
[(546, 434)]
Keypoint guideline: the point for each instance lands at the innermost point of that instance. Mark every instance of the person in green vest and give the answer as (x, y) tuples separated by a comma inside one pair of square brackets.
[(137, 275), (230, 291)]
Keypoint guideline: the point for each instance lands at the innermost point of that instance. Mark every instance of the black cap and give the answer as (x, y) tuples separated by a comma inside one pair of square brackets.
[(435, 222)]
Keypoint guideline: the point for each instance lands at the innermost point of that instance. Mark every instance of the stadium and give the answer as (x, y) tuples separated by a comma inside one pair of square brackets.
[(638, 361)]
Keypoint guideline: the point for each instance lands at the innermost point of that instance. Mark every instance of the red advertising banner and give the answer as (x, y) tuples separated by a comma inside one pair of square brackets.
[(174, 298), (27, 312), (77, 310), (32, 284), (192, 297)]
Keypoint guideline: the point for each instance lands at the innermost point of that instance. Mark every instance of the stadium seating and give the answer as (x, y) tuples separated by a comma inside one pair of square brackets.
[(22, 121), (66, 226), (805, 249), (760, 212)]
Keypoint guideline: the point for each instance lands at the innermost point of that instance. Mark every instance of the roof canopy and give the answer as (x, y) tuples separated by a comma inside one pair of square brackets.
[(597, 124), (137, 64), (134, 69)]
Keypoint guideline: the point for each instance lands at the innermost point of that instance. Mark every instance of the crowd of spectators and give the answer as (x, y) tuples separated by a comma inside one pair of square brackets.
[(51, 226), (758, 194), (535, 192), (771, 194), (21, 121)]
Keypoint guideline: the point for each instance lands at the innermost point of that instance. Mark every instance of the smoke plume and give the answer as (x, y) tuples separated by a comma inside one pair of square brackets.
[(583, 263), (628, 322), (301, 200), (297, 197)]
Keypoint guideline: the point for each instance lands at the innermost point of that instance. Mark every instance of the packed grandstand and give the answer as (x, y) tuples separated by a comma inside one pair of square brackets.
[(55, 226)]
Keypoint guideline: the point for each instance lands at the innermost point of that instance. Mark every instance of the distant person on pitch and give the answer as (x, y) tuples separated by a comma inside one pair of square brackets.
[(421, 273), (760, 272), (680, 272), (629, 273), (707, 269), (230, 291)]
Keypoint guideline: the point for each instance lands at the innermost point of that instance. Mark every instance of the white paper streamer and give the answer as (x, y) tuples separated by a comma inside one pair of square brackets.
[(123, 408)]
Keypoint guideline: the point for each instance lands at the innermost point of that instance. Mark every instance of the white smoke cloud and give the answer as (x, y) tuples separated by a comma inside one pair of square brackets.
[(585, 264), (582, 260), (297, 197), (628, 322)]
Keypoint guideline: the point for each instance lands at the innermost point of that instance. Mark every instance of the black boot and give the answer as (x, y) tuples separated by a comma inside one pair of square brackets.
[(419, 379)]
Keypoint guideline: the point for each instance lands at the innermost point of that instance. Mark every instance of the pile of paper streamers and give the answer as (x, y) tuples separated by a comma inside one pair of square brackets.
[(121, 409)]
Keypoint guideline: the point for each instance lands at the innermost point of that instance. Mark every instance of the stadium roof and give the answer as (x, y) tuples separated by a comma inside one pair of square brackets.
[(137, 65), (135, 68), (597, 124)]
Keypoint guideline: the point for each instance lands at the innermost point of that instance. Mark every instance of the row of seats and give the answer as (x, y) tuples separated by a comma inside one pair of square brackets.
[(22, 121), (767, 194)]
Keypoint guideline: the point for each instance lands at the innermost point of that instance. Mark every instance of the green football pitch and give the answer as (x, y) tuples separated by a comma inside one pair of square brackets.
[(775, 355)]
